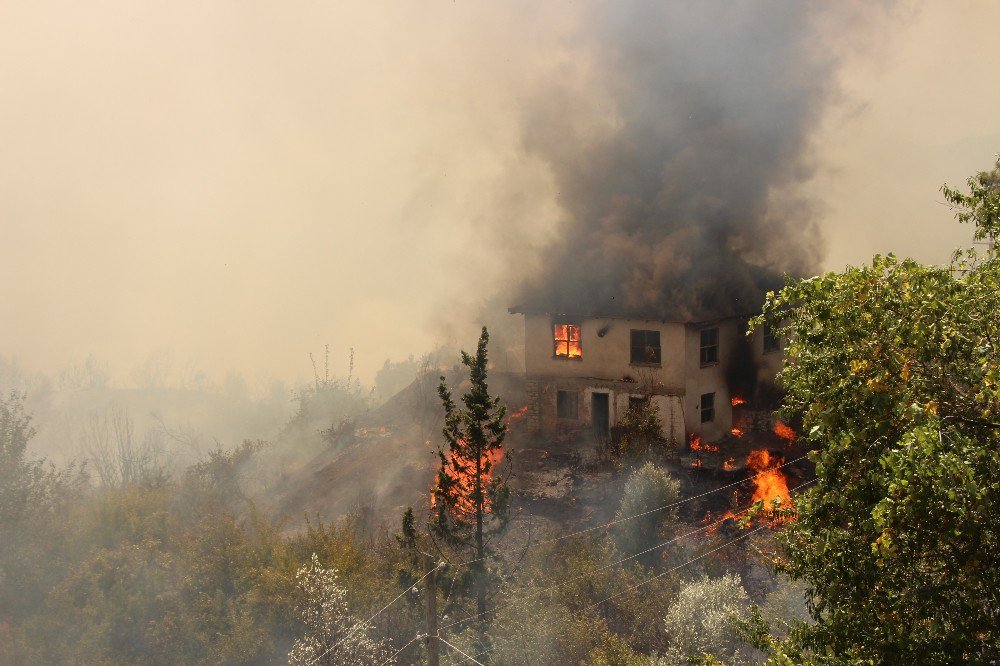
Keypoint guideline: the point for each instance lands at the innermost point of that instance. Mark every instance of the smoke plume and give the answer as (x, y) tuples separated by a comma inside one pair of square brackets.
[(677, 143)]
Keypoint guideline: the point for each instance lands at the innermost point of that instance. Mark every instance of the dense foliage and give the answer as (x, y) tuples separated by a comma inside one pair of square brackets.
[(894, 370)]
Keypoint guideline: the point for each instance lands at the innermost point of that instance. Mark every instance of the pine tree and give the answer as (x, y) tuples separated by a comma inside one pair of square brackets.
[(470, 504)]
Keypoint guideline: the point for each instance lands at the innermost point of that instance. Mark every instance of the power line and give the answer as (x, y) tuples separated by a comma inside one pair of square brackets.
[(467, 657), (645, 513), (626, 559), (649, 580), (396, 653), (679, 566), (369, 620)]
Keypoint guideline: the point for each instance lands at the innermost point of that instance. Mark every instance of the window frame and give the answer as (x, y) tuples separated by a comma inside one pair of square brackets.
[(569, 324), (645, 333), (709, 409), (712, 347)]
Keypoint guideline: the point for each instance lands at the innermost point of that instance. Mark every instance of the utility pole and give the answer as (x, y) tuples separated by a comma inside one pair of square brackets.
[(433, 647)]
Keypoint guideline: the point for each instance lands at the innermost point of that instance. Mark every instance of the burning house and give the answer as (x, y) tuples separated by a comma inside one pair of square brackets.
[(704, 375)]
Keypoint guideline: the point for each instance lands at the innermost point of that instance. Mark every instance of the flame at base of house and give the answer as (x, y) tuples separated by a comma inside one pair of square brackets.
[(770, 484), (695, 443)]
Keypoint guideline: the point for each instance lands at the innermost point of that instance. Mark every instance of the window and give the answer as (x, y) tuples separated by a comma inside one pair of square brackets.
[(566, 340), (645, 347), (709, 346), (707, 408), (772, 342), (567, 405)]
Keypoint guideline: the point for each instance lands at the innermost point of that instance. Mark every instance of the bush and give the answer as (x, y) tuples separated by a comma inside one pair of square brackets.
[(647, 491), (700, 621)]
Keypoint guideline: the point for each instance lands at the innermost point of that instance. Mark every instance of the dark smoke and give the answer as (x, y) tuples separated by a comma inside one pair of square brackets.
[(678, 176)]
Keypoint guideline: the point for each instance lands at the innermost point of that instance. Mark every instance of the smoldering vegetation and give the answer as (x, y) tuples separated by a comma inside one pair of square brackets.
[(220, 561)]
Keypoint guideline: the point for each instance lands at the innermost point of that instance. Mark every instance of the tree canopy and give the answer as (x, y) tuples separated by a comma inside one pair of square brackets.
[(894, 370)]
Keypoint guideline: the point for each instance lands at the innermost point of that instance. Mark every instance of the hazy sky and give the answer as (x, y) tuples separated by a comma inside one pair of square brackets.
[(242, 182)]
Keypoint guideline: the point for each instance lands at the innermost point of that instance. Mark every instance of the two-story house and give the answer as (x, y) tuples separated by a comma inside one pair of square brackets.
[(583, 372)]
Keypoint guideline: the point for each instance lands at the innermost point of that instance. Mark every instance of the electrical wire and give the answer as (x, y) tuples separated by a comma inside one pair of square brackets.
[(626, 559), (467, 657), (408, 644), (644, 513), (369, 620)]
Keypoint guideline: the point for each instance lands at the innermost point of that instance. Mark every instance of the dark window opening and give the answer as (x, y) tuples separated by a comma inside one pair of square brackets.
[(772, 341), (567, 405), (709, 346), (707, 407), (566, 341), (645, 347), (600, 414)]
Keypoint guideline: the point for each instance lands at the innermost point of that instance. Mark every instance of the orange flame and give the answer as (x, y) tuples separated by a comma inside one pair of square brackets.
[(516, 417), (695, 442), (462, 472), (567, 340), (785, 432), (770, 481), (737, 401), (737, 432), (769, 484)]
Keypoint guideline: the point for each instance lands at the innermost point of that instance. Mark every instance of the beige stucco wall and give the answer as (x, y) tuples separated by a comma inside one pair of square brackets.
[(606, 357), (680, 380), (709, 379)]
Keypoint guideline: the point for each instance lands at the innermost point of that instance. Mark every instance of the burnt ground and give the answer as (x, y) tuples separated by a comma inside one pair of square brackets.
[(386, 461)]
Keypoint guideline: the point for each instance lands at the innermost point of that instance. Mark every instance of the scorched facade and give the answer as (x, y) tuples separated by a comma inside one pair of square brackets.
[(583, 372)]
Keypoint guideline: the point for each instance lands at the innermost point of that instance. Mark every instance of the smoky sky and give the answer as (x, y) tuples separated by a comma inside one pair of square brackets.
[(682, 203), (242, 182)]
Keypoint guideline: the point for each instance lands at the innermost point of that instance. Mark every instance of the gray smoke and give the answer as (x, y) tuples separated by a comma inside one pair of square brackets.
[(678, 158)]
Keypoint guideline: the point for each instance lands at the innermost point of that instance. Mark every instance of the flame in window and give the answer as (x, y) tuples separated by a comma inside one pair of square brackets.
[(567, 341)]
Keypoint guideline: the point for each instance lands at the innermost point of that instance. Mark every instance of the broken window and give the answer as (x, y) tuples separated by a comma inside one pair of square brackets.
[(709, 346), (567, 405), (566, 338), (772, 342), (645, 347), (707, 407)]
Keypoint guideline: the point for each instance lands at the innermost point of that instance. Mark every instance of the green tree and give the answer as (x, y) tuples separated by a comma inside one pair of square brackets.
[(645, 506), (894, 370), (700, 621), (470, 502)]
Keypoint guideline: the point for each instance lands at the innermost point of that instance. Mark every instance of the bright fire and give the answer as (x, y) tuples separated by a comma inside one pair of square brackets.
[(696, 445), (462, 471), (785, 432), (769, 480), (737, 432), (567, 340), (737, 401), (769, 484), (517, 416)]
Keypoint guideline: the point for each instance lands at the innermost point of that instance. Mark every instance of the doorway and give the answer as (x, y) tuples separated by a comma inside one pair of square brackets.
[(600, 414)]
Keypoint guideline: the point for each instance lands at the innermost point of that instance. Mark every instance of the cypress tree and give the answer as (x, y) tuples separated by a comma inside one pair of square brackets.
[(470, 504)]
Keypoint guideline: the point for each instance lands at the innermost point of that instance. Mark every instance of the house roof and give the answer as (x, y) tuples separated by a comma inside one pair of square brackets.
[(705, 317)]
